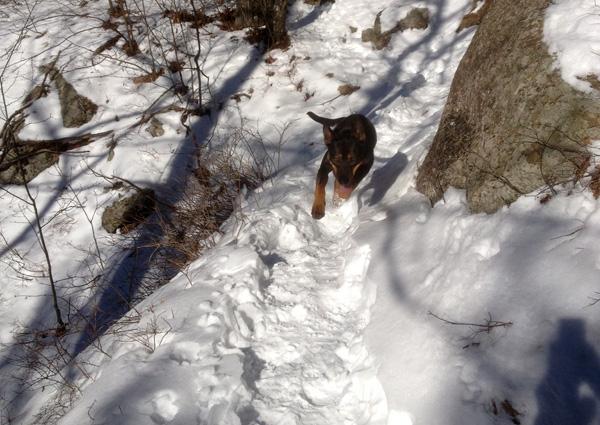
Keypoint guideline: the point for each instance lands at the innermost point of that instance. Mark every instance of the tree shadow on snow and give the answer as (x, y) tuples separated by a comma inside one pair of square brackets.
[(125, 272), (381, 96), (309, 18), (388, 90), (129, 272), (570, 390)]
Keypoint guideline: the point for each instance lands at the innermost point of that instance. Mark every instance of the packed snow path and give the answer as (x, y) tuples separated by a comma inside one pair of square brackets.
[(315, 306), (269, 323)]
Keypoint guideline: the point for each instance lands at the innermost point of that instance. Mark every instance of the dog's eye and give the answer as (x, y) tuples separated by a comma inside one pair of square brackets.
[(342, 158)]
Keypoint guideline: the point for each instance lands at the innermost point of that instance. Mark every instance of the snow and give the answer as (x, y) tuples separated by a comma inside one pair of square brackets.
[(241, 323), (289, 320), (570, 30)]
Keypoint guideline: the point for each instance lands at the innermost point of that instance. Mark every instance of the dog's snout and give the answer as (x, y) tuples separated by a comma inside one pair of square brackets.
[(344, 180)]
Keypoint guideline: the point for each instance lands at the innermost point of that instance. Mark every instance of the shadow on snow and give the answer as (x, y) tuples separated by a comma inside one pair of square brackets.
[(570, 390)]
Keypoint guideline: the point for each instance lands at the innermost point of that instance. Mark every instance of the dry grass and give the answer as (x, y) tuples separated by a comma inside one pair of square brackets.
[(210, 196), (148, 78)]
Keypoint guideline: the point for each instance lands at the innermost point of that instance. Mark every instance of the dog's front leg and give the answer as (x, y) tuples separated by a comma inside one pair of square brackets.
[(318, 208)]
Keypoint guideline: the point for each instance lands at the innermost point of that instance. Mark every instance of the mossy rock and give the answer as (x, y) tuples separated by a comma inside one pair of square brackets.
[(417, 18), (127, 213), (511, 125), (27, 169), (75, 108)]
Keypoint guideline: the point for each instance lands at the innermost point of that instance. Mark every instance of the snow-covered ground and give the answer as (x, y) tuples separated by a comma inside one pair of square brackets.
[(288, 320)]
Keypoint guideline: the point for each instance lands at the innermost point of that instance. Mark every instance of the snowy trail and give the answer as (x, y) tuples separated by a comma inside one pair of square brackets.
[(316, 308), (270, 322), (305, 359)]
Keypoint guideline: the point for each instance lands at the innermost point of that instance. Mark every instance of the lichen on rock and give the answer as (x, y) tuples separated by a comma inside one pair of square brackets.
[(511, 125), (128, 212), (75, 108)]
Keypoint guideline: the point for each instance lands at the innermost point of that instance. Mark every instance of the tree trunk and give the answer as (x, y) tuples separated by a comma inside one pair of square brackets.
[(276, 28), (270, 14)]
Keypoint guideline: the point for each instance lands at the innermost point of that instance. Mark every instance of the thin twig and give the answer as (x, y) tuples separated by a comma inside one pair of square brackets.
[(486, 327)]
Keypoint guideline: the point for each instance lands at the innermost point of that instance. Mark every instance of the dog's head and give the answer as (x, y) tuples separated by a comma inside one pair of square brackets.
[(346, 151)]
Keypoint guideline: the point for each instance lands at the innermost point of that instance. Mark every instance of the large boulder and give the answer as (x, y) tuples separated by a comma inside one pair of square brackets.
[(511, 125)]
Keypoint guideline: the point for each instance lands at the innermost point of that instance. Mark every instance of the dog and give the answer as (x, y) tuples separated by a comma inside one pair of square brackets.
[(350, 143)]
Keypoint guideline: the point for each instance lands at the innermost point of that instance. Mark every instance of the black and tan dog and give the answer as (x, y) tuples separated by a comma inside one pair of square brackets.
[(350, 143)]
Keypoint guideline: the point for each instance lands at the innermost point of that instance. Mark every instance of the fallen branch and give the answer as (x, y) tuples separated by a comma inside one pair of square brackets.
[(31, 148), (481, 327)]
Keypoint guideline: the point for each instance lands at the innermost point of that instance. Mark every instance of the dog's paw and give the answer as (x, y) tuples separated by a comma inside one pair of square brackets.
[(318, 211)]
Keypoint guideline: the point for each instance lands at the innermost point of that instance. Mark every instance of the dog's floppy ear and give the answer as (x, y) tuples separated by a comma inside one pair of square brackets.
[(358, 130), (327, 135)]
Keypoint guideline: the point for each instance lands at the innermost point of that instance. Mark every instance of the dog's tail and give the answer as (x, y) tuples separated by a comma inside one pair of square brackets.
[(329, 122)]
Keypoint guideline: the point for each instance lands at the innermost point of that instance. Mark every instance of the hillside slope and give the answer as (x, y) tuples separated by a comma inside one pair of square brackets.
[(386, 311)]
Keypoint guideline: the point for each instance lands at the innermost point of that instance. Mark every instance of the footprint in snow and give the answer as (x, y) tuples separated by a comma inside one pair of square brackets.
[(290, 238), (164, 407), (186, 352), (486, 249), (341, 218)]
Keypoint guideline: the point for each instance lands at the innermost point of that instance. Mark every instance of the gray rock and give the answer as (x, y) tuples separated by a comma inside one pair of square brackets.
[(33, 162), (369, 35), (75, 109), (417, 18), (155, 128), (37, 92), (22, 160), (128, 212), (511, 125)]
